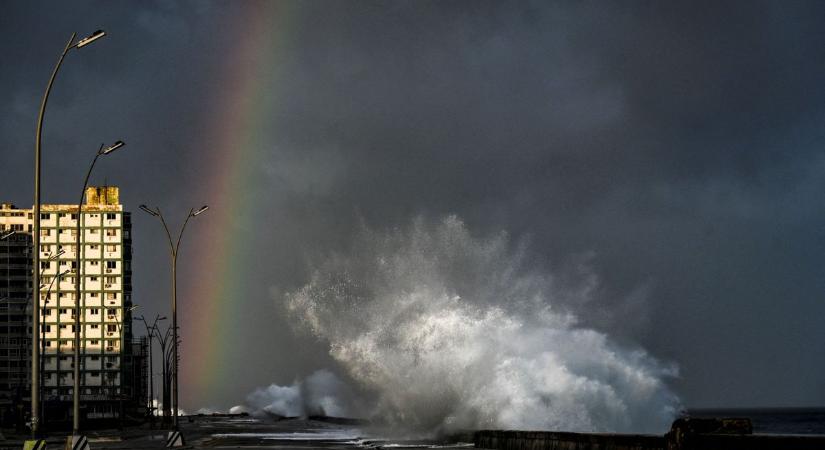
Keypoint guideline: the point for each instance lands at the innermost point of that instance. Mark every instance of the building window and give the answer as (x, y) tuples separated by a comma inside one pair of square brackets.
[(111, 232), (95, 326), (45, 216), (111, 296), (111, 312), (95, 263), (93, 231), (74, 216), (111, 264), (95, 311), (45, 233), (111, 248), (111, 328), (17, 227), (111, 216)]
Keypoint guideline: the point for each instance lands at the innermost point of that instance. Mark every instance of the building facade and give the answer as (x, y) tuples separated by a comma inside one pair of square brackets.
[(107, 363), (15, 292)]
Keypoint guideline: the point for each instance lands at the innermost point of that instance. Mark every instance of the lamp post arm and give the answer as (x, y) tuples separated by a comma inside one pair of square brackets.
[(168, 234), (182, 229), (45, 100)]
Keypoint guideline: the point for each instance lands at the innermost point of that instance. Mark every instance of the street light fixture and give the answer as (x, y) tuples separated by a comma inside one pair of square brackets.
[(90, 38), (173, 251), (78, 301), (35, 426)]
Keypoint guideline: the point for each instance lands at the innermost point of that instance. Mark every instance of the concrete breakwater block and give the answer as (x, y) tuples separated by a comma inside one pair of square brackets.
[(174, 439), (77, 442), (34, 444)]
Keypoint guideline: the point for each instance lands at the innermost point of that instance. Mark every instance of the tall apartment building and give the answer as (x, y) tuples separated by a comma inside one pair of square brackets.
[(105, 276)]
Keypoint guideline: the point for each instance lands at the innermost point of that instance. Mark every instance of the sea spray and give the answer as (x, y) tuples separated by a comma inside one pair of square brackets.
[(451, 332), (320, 394)]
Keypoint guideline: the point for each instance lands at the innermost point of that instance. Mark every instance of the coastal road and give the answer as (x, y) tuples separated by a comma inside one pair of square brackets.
[(235, 432)]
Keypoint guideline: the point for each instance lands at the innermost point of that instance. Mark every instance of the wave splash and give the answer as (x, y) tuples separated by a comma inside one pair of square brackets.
[(453, 332)]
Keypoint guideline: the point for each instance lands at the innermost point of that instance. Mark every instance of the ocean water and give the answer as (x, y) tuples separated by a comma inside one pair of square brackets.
[(774, 420)]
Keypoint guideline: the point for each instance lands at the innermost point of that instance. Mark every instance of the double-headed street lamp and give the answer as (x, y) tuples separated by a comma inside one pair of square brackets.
[(150, 331), (173, 250), (36, 228), (78, 302)]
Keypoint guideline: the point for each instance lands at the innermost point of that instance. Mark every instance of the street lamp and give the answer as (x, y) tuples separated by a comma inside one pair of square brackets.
[(150, 330), (36, 228), (163, 339), (78, 302), (173, 251)]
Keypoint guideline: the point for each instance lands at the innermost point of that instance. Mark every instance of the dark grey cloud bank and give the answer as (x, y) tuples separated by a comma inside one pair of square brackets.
[(673, 149)]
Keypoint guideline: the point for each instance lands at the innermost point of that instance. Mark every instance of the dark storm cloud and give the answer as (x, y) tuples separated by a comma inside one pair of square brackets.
[(675, 148)]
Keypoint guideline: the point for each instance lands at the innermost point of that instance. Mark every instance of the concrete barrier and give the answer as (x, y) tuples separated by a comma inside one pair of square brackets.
[(685, 434), (546, 440)]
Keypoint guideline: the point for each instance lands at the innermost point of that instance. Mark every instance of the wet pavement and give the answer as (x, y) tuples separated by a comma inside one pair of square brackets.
[(236, 432)]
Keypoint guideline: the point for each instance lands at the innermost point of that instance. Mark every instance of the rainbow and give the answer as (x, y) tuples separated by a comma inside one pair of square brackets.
[(235, 139)]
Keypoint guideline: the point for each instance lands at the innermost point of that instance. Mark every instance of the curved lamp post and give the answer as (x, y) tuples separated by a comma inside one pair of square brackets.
[(36, 228), (78, 302), (173, 250)]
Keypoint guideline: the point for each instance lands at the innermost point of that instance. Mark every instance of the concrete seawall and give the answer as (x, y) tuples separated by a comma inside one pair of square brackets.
[(686, 434), (546, 440)]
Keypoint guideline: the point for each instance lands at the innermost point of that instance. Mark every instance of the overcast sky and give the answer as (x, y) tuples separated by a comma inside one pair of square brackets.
[(674, 149)]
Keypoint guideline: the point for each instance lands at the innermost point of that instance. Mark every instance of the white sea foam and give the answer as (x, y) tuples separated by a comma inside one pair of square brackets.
[(454, 332), (321, 393)]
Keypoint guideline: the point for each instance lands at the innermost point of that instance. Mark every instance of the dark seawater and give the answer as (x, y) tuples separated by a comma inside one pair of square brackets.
[(774, 420)]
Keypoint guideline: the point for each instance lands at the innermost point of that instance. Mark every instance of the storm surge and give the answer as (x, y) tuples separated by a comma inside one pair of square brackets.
[(449, 331)]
